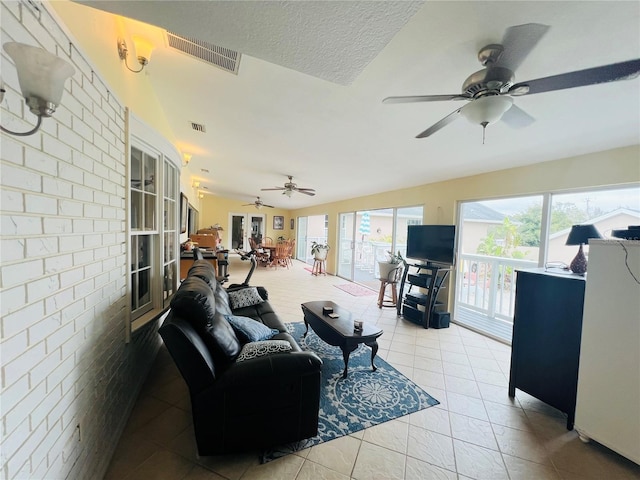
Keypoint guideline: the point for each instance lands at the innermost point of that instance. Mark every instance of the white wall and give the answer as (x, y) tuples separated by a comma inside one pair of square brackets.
[(65, 364)]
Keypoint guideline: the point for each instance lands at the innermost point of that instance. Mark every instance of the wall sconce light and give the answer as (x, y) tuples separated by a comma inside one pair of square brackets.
[(201, 195), (196, 185), (186, 158), (41, 76), (143, 50)]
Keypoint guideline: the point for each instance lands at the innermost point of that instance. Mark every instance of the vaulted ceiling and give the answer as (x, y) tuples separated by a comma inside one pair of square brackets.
[(307, 98)]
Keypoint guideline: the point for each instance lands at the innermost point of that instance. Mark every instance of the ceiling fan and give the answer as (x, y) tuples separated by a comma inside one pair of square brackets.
[(258, 204), (489, 90), (291, 187)]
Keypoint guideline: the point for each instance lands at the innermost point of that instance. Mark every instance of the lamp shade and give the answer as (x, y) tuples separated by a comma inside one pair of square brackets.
[(143, 49), (581, 234), (486, 110), (41, 76)]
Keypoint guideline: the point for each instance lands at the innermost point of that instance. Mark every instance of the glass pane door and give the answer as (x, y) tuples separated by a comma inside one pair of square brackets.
[(257, 229), (303, 249), (495, 238), (243, 225), (346, 245), (238, 231)]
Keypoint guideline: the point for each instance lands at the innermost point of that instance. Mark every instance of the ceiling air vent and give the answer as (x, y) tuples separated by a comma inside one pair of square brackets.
[(198, 127), (224, 58)]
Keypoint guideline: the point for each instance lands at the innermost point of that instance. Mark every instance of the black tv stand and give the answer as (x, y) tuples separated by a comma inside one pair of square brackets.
[(417, 306)]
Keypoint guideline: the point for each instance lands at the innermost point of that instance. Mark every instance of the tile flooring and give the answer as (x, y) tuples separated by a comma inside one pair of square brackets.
[(477, 431)]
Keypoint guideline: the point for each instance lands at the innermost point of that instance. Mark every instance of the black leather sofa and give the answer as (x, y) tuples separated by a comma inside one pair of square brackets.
[(238, 405)]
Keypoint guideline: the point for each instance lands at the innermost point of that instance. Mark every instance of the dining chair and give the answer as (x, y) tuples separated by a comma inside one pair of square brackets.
[(261, 256), (291, 249), (280, 255)]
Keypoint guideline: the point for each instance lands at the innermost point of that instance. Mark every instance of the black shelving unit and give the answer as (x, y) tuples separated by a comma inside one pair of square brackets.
[(417, 305)]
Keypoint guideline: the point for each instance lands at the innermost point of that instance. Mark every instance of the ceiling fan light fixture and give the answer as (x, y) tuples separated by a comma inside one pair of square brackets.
[(486, 110), (288, 193)]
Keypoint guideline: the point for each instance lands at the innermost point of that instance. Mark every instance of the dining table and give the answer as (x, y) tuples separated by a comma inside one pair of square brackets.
[(271, 250)]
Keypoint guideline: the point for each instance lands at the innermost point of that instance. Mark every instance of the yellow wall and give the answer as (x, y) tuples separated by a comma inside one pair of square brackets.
[(216, 210), (132, 89)]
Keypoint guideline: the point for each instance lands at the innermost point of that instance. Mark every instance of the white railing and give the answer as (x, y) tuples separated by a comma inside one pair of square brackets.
[(487, 284)]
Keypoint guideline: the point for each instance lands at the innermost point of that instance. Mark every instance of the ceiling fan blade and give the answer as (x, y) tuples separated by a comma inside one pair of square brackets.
[(268, 206), (518, 42), (591, 76), (306, 191), (442, 123), (275, 188), (425, 98), (515, 117)]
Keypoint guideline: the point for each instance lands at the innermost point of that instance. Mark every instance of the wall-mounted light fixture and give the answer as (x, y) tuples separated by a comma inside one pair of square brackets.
[(196, 184), (143, 51), (41, 76), (201, 195), (186, 158)]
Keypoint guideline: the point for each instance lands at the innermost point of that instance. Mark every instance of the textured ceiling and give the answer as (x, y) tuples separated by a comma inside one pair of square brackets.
[(332, 40), (307, 98)]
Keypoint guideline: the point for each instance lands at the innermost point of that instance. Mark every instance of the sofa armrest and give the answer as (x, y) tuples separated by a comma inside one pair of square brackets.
[(263, 370)]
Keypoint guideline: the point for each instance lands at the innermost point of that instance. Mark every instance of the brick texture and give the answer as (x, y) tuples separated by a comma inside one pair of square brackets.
[(64, 360)]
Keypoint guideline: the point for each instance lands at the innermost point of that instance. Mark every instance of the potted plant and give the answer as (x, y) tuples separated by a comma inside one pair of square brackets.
[(393, 261), (319, 250)]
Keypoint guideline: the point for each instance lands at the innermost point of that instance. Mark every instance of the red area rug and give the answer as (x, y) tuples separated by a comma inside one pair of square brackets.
[(355, 289), (308, 269)]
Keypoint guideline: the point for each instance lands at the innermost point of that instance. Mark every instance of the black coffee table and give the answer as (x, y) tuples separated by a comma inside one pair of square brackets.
[(339, 331)]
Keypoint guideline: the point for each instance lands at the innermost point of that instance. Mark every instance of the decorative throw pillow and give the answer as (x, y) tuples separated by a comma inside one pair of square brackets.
[(260, 349), (245, 297), (250, 330)]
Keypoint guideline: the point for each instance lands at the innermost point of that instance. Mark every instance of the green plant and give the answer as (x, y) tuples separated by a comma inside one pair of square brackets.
[(316, 247), (393, 258)]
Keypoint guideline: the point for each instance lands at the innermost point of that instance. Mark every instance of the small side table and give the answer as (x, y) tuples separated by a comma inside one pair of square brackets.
[(394, 293), (319, 267)]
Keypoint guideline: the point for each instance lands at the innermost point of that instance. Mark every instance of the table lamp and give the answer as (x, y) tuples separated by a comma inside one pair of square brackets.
[(579, 235)]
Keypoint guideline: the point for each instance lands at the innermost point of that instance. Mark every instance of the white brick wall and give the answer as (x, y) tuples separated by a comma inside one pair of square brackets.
[(63, 358)]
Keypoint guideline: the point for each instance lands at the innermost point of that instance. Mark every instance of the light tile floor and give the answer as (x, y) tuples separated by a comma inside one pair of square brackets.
[(476, 432)]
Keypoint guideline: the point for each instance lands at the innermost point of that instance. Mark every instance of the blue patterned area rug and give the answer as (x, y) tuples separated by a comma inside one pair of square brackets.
[(364, 399)]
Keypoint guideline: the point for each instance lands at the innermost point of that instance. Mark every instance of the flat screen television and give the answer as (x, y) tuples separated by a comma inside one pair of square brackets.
[(432, 243)]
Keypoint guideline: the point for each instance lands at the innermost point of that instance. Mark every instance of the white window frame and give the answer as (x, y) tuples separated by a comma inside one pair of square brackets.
[(142, 137)]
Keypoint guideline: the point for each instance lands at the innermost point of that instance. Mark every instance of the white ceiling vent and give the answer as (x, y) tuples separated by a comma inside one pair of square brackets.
[(224, 58)]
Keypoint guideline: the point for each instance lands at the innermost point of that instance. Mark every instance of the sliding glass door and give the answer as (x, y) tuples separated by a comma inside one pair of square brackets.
[(346, 245), (498, 237), (310, 229), (491, 247), (366, 237)]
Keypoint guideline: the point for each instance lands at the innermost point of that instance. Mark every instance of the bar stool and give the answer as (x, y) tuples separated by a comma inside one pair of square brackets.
[(391, 279), (319, 267)]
